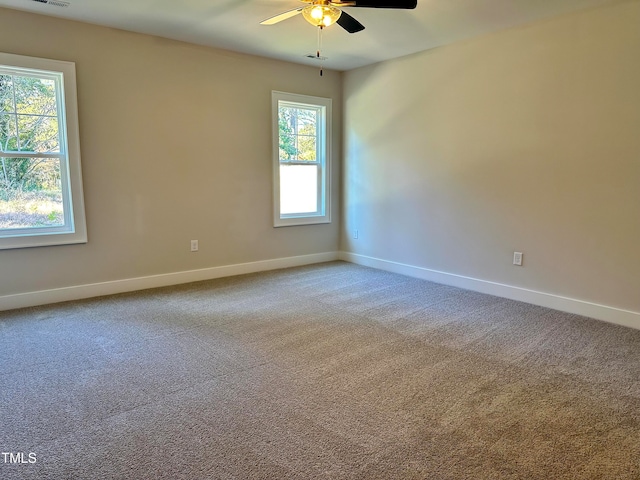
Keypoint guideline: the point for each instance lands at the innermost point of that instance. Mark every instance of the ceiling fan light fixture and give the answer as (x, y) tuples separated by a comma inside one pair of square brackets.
[(321, 15)]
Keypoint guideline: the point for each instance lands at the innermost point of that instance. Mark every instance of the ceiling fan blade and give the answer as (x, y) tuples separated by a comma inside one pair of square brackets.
[(404, 4), (282, 16), (349, 23)]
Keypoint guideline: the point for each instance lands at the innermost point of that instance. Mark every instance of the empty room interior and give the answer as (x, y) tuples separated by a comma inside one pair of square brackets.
[(238, 244)]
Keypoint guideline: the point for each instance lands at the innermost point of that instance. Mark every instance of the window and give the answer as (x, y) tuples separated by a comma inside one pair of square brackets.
[(41, 201), (301, 172)]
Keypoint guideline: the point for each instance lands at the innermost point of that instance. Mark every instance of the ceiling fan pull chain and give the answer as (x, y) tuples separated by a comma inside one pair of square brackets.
[(320, 28)]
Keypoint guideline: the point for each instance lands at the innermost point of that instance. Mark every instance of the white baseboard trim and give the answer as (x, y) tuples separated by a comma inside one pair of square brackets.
[(605, 313), (78, 292)]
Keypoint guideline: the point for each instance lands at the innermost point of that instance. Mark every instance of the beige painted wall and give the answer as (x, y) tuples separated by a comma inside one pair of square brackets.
[(176, 145), (525, 140)]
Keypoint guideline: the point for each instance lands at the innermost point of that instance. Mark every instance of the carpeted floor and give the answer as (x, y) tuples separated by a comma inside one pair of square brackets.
[(328, 371)]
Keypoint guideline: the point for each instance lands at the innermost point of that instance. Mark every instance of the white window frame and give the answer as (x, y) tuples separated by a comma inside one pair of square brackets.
[(323, 156), (74, 229)]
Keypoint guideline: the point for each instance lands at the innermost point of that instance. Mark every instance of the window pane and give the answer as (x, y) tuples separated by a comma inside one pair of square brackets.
[(298, 189), (35, 96), (288, 150), (287, 120), (8, 133), (307, 121), (6, 94), (38, 134), (30, 193), (307, 148), (297, 133)]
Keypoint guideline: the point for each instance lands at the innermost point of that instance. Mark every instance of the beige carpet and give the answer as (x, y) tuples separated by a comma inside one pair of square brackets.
[(327, 371)]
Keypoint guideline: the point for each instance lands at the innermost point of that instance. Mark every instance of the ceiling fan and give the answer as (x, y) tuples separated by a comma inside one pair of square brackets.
[(322, 13)]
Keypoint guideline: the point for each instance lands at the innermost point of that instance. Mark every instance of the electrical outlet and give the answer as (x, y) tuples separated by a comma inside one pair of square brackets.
[(517, 258), (194, 245), (355, 234)]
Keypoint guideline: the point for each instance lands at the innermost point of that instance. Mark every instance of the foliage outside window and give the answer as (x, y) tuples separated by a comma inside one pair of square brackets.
[(40, 181), (301, 165)]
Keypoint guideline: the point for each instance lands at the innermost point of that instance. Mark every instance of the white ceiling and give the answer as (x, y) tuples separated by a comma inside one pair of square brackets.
[(234, 24)]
